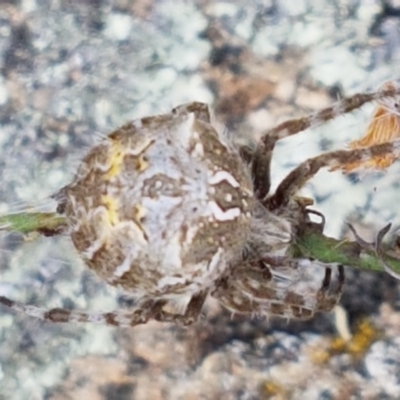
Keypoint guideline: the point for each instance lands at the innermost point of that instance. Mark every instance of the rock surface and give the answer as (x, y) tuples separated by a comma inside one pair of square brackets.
[(71, 71)]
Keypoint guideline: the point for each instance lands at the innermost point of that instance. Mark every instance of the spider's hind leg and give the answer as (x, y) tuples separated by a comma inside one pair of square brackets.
[(141, 315), (146, 311), (191, 315)]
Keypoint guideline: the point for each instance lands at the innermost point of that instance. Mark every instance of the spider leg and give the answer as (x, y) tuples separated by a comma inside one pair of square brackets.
[(316, 226), (262, 156), (260, 288), (148, 310), (325, 300), (246, 153), (261, 168), (192, 312), (62, 315), (297, 178)]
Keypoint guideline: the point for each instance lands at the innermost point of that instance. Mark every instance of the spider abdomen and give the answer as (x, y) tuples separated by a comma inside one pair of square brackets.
[(161, 205)]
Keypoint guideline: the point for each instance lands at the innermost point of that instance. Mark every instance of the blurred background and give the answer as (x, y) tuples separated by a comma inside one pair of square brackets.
[(73, 70)]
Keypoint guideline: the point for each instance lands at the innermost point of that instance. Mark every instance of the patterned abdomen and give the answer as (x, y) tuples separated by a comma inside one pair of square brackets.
[(161, 205)]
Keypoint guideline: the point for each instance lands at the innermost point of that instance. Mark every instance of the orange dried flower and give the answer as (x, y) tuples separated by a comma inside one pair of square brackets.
[(384, 127)]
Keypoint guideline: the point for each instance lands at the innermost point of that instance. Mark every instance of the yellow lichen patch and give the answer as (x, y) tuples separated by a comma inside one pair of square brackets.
[(115, 159), (319, 355), (365, 334), (273, 390), (111, 206), (383, 127)]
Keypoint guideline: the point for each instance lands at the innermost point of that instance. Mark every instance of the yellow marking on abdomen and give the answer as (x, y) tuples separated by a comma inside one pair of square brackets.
[(115, 159), (111, 206)]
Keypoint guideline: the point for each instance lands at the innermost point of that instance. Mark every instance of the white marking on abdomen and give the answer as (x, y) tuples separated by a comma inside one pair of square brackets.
[(223, 176), (215, 259), (122, 268), (222, 215), (170, 281)]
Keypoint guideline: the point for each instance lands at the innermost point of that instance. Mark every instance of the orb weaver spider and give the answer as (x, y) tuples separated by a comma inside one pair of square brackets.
[(169, 209)]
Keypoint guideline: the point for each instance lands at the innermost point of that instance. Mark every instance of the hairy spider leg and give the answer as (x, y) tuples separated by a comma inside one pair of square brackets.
[(260, 289), (261, 159), (383, 127), (150, 310), (325, 300), (299, 176)]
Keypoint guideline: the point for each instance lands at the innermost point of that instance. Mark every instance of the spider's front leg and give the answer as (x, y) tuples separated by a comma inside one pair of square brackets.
[(261, 157), (326, 300), (296, 179)]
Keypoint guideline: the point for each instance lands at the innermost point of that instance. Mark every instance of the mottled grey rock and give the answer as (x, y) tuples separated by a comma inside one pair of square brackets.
[(71, 71)]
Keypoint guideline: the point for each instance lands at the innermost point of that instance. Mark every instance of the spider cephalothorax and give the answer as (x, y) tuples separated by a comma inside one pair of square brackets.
[(168, 209)]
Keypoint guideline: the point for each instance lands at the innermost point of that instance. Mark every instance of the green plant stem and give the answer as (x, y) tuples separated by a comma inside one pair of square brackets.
[(48, 224), (309, 244), (350, 253)]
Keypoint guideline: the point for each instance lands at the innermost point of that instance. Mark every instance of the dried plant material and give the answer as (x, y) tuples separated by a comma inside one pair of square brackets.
[(383, 127)]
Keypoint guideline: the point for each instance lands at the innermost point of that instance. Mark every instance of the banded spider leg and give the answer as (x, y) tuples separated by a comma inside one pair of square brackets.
[(146, 311), (253, 288), (261, 159)]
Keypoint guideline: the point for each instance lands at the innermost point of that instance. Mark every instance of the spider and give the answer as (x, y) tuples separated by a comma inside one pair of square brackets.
[(168, 209)]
